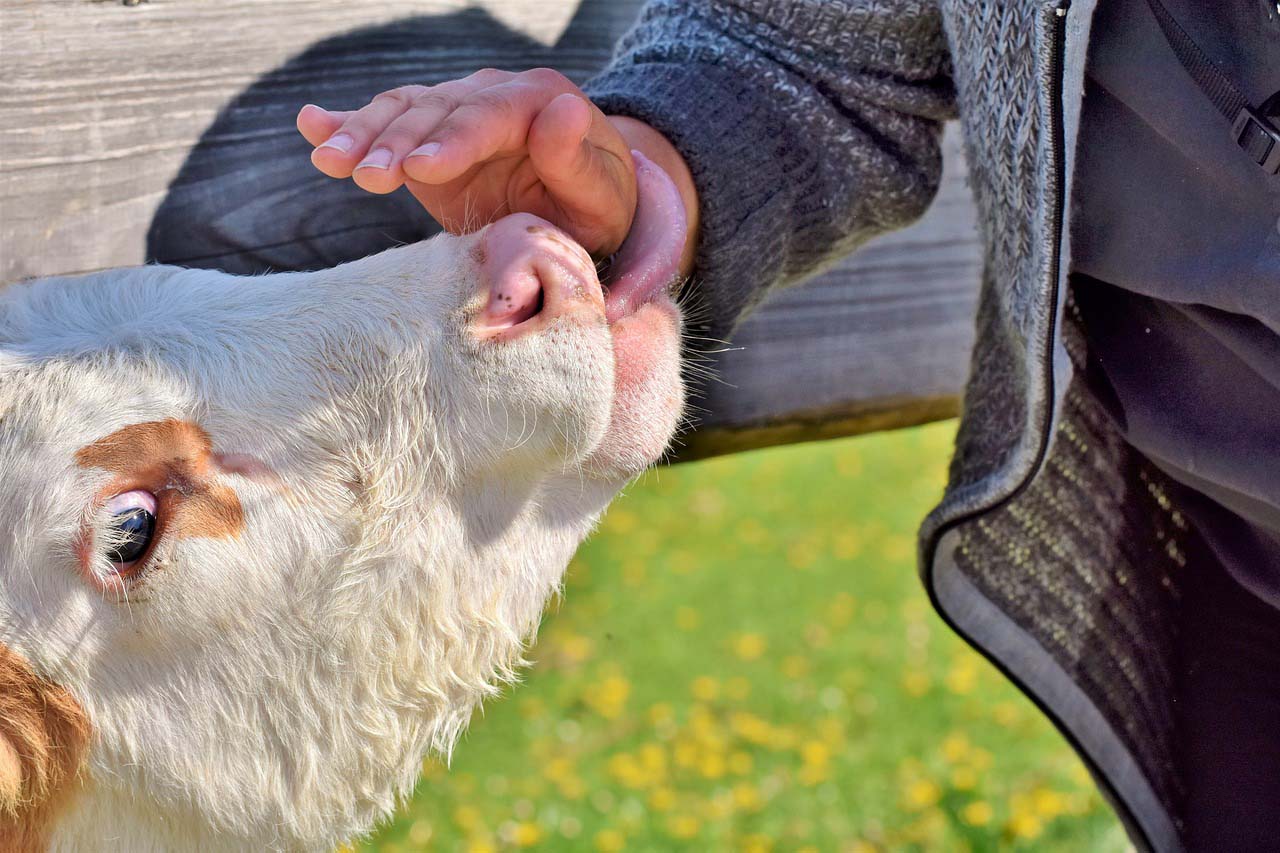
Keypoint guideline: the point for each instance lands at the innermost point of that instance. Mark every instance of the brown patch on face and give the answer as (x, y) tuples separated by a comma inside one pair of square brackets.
[(44, 738), (173, 460)]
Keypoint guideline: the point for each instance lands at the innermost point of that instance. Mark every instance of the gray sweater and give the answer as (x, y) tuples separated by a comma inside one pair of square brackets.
[(810, 127)]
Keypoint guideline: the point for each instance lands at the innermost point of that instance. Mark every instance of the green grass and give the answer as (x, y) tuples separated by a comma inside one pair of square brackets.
[(744, 659)]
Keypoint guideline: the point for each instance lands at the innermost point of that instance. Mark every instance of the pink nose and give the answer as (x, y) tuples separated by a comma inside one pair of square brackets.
[(533, 273)]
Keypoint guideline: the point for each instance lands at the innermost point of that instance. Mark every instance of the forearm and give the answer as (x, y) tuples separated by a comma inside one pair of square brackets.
[(806, 129)]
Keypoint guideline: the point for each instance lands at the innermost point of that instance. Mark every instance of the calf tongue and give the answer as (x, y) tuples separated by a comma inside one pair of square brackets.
[(649, 260)]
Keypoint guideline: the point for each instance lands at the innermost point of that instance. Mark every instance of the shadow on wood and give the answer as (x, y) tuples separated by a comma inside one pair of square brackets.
[(247, 199)]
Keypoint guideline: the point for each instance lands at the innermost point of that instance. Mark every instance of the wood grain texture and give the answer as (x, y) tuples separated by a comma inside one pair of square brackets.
[(164, 131)]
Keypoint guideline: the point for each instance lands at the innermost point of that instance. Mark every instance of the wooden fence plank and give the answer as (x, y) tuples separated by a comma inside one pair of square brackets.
[(164, 131)]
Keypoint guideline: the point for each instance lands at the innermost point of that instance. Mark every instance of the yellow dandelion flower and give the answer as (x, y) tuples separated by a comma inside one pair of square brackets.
[(525, 834), (610, 841), (683, 826), (609, 697), (813, 774), (749, 646), (481, 845), (466, 817), (1026, 826), (962, 678), (831, 729), (815, 752), (653, 758), (751, 728), (555, 769), (756, 844), (624, 769), (921, 794), (712, 765), (687, 618), (915, 682), (781, 737), (571, 788), (705, 688), (840, 610), (685, 753), (575, 648), (1047, 803), (861, 846), (955, 747), (977, 813), (795, 667), (846, 545), (662, 800), (661, 713), (1005, 713), (747, 797)]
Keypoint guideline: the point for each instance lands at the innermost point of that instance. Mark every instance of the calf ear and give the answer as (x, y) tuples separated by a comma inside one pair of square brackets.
[(44, 737)]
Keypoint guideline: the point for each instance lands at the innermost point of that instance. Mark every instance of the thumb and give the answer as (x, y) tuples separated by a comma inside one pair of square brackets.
[(587, 170)]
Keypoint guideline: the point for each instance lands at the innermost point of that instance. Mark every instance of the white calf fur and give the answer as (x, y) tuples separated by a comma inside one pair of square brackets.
[(369, 505)]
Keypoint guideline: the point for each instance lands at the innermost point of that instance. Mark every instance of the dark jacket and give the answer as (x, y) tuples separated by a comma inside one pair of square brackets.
[(811, 126)]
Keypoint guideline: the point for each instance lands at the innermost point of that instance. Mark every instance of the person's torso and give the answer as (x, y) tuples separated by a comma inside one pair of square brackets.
[(1176, 264)]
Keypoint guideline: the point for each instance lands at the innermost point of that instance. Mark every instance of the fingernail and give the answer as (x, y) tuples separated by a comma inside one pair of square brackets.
[(378, 158), (315, 107), (428, 150), (339, 142)]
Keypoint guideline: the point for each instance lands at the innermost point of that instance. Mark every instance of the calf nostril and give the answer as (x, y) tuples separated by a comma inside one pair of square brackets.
[(518, 297)]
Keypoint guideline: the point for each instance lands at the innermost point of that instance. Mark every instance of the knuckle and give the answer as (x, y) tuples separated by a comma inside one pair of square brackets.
[(397, 97), (545, 77), (491, 75), (434, 100), (490, 102)]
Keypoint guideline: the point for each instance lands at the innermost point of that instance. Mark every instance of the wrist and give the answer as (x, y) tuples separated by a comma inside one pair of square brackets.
[(657, 148)]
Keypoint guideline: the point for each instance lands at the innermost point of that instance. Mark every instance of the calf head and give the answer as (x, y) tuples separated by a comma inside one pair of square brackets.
[(270, 541)]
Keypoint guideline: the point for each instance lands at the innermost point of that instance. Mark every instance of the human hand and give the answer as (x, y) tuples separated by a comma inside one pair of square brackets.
[(496, 142)]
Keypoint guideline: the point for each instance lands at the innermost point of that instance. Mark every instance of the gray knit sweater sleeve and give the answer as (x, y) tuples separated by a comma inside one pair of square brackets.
[(809, 126)]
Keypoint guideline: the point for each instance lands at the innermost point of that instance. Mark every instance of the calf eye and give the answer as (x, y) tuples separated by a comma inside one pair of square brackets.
[(133, 524)]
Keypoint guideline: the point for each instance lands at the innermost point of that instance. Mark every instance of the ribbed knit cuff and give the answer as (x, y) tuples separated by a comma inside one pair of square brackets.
[(733, 142)]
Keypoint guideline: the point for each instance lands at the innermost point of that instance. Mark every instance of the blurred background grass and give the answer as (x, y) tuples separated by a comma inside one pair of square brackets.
[(744, 660)]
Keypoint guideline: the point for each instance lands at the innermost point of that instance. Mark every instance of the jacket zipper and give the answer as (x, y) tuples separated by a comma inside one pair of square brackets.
[(1057, 222)]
